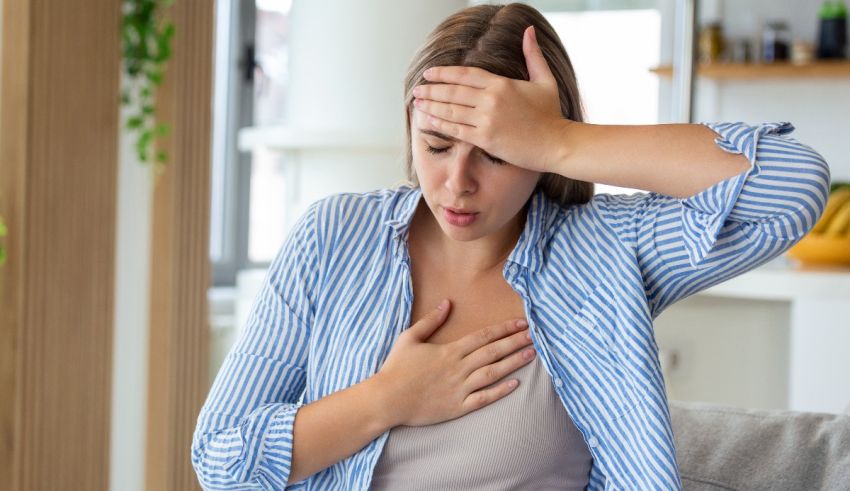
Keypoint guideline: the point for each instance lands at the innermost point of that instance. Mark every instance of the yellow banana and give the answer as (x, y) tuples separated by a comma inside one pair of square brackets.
[(834, 203), (840, 223)]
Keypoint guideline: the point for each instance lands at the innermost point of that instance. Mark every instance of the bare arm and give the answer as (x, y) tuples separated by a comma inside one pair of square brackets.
[(676, 160), (337, 426)]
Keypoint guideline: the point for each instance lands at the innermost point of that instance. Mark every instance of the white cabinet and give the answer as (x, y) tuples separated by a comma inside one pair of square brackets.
[(775, 337)]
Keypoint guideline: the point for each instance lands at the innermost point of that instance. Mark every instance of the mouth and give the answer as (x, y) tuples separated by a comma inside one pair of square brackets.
[(460, 211), (458, 218)]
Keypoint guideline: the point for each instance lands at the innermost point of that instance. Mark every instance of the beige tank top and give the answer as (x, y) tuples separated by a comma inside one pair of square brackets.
[(525, 440)]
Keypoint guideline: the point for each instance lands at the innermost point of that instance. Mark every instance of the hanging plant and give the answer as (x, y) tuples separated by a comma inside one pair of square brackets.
[(146, 41)]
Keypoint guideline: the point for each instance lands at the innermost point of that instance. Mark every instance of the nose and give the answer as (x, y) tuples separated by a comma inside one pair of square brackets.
[(460, 179)]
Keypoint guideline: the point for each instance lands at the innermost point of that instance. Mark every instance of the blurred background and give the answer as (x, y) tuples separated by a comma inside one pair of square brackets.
[(124, 288)]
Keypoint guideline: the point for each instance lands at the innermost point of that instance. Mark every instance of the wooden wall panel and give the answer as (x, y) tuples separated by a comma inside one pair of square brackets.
[(180, 275), (58, 171)]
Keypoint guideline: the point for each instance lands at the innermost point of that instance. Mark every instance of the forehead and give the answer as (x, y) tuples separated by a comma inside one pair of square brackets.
[(419, 119), (421, 126)]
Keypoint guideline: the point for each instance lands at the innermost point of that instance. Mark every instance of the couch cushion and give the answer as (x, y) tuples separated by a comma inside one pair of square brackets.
[(722, 447)]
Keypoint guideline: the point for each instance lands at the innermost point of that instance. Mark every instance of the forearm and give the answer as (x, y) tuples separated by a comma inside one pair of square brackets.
[(677, 160), (337, 426)]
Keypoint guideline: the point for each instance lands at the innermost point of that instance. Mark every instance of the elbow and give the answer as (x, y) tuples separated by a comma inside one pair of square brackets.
[(821, 179), (210, 472), (201, 463), (807, 202), (825, 181)]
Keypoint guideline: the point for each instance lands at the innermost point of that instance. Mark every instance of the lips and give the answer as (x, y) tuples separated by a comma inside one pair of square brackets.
[(460, 210), (459, 219)]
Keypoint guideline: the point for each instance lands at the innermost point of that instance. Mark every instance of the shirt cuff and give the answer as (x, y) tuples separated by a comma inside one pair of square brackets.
[(705, 213), (266, 447)]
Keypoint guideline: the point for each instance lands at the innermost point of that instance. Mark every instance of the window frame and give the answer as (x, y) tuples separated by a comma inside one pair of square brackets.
[(231, 168)]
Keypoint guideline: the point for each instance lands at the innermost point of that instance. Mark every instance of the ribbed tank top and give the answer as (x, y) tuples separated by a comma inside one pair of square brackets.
[(525, 440)]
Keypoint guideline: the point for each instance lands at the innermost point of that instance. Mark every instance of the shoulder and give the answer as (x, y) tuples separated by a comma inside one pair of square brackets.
[(604, 218), (350, 211), (377, 204)]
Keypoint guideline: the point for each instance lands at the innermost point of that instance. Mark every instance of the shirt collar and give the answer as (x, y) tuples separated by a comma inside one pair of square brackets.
[(530, 247)]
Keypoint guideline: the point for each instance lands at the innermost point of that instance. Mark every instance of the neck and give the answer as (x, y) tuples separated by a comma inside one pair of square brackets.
[(468, 260)]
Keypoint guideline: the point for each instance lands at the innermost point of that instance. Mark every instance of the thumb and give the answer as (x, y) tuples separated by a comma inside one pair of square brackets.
[(425, 327), (538, 69)]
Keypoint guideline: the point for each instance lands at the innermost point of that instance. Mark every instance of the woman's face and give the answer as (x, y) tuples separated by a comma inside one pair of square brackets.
[(458, 175)]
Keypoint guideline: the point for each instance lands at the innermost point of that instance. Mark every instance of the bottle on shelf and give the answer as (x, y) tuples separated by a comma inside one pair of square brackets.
[(776, 41), (832, 30)]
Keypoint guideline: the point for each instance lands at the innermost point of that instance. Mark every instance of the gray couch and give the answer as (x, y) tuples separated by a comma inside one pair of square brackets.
[(726, 448)]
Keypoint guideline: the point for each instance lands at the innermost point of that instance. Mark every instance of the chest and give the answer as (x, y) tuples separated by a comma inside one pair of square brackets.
[(475, 304)]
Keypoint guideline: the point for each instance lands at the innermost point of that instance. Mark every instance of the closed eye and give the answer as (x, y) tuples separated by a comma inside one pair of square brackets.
[(434, 150)]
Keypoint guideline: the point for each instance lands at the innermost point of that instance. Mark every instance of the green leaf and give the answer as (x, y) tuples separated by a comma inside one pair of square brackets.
[(134, 122), (154, 76), (162, 129), (145, 138), (3, 229), (161, 156), (2, 256)]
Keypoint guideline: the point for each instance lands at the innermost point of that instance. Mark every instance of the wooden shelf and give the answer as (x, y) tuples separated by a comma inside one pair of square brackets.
[(818, 68)]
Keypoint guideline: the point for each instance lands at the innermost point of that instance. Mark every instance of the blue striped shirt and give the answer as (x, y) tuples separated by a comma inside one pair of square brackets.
[(592, 278)]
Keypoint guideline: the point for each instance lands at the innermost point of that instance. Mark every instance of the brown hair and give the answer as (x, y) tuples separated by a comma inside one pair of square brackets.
[(490, 37)]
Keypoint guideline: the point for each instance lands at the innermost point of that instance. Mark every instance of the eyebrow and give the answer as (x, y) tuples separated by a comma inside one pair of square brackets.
[(450, 139), (439, 135)]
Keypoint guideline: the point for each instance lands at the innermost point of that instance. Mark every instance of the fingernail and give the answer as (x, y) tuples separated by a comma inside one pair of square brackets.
[(521, 324), (443, 304), (427, 73), (528, 335)]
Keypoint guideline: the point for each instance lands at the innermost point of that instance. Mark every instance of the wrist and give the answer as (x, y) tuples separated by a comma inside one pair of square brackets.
[(563, 146), (379, 395)]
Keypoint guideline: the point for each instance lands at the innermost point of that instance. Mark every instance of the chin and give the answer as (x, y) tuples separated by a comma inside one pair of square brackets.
[(462, 234)]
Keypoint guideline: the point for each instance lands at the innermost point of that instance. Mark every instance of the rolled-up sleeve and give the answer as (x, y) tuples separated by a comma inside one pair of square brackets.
[(685, 245), (243, 437)]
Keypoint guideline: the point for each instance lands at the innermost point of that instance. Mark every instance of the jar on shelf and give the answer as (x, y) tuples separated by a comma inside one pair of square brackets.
[(741, 51), (776, 40), (711, 44)]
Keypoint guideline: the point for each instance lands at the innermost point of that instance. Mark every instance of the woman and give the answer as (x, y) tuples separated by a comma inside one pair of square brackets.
[(499, 218)]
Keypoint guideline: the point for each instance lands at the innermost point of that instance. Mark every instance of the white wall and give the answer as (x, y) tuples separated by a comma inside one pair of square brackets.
[(130, 343), (347, 73)]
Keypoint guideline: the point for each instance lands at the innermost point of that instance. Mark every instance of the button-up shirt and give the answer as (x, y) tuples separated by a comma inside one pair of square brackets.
[(592, 278)]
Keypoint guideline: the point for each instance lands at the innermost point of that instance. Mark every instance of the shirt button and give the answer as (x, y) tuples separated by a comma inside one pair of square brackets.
[(592, 441), (512, 269), (558, 381)]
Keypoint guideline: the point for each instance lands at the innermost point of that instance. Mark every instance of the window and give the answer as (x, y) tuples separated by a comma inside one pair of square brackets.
[(250, 89), (613, 76)]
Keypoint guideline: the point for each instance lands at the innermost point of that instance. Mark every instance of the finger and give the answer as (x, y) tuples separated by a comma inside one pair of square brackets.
[(449, 112), (462, 75), (538, 69), (450, 93), (493, 373), (425, 327), (463, 132), (482, 337), (484, 397), (495, 351)]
